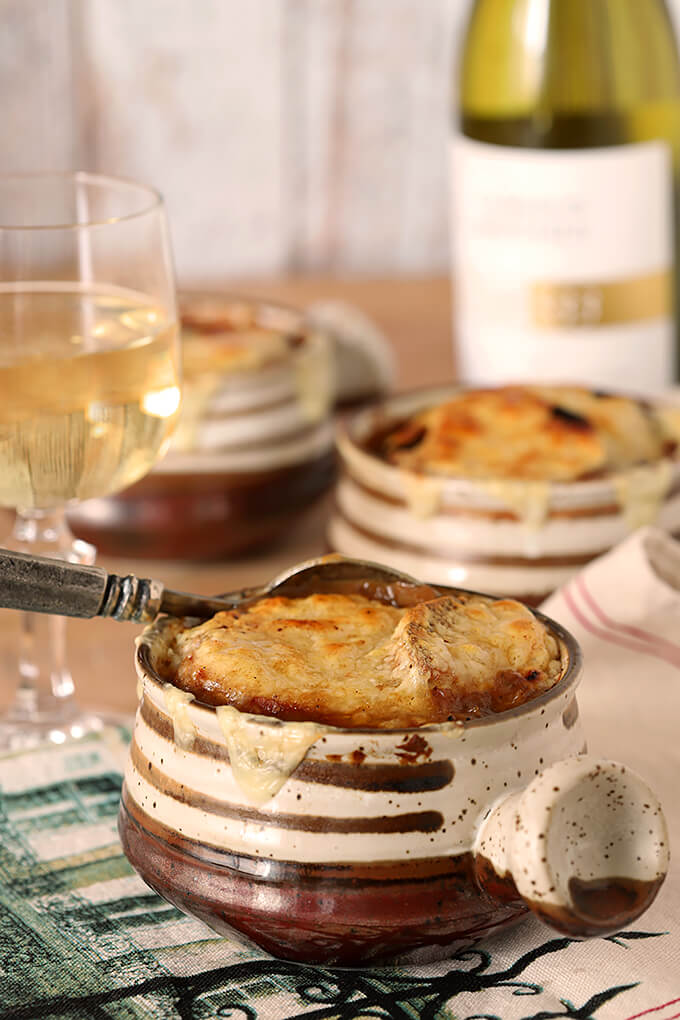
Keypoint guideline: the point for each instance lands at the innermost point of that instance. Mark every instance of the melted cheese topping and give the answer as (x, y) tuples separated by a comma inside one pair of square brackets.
[(222, 335), (263, 757), (423, 495), (641, 491), (475, 653), (346, 660), (314, 379), (177, 705), (217, 353), (542, 433)]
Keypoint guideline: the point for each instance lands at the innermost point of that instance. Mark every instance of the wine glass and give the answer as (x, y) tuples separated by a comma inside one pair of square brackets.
[(89, 387)]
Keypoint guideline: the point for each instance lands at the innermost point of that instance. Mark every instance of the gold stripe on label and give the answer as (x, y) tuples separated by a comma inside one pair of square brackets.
[(601, 303)]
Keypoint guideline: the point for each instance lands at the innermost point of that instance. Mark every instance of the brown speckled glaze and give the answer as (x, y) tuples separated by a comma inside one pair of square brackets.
[(344, 914), (387, 845)]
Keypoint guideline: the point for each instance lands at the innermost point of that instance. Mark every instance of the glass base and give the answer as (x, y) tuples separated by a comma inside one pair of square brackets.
[(44, 707), (19, 733)]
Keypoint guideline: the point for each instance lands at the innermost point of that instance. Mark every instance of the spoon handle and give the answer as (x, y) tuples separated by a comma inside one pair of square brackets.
[(41, 584)]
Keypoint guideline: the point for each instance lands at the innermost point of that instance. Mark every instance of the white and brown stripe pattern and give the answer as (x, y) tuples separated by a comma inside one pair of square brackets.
[(384, 844), (366, 849), (263, 417), (519, 539)]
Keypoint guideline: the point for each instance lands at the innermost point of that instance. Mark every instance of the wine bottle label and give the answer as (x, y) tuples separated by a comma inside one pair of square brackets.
[(562, 264)]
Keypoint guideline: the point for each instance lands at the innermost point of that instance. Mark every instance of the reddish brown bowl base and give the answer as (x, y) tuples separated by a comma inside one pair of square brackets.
[(201, 516), (349, 914)]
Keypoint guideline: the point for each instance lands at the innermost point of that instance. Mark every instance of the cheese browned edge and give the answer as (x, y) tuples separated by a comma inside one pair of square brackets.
[(347, 660), (533, 433)]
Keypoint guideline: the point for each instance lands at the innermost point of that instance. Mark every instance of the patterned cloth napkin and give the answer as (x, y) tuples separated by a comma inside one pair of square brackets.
[(82, 936)]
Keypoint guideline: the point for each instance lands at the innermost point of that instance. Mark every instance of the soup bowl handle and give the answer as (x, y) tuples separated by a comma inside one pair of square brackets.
[(585, 845)]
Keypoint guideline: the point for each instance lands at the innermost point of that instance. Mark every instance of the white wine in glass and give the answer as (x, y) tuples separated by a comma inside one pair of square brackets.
[(89, 386)]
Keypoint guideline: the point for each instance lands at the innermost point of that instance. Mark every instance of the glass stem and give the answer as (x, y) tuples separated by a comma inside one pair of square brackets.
[(45, 690)]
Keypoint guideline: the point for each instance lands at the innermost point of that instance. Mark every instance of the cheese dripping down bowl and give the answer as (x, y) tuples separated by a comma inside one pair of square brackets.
[(254, 446), (508, 490), (350, 844)]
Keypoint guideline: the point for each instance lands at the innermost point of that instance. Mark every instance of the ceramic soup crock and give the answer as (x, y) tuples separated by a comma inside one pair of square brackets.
[(253, 450), (339, 846), (519, 538)]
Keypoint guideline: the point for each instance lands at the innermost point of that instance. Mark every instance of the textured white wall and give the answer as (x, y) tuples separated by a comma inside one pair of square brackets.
[(285, 134)]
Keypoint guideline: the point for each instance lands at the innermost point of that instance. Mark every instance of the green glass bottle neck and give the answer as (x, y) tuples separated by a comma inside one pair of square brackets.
[(566, 58)]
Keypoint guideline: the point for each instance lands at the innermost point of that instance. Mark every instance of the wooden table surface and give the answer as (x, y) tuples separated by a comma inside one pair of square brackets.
[(415, 316)]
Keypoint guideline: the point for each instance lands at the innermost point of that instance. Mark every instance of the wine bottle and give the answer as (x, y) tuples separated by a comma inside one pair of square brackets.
[(564, 192)]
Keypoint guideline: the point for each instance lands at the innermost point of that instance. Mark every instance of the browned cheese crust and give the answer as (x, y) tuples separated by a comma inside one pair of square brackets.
[(346, 660), (548, 433)]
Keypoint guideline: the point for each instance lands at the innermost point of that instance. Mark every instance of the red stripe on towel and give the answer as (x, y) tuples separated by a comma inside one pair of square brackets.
[(613, 637), (671, 650), (655, 1009)]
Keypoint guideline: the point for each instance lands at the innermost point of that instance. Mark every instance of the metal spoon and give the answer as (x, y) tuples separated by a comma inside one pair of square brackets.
[(39, 584)]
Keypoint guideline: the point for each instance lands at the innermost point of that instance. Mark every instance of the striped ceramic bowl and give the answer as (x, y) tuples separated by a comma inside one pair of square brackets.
[(508, 538), (253, 450), (341, 846)]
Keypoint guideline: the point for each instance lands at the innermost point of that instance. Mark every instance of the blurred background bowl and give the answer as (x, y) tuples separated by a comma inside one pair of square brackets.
[(254, 447), (518, 538)]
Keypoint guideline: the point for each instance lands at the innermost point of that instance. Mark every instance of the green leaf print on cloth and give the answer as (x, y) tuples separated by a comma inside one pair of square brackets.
[(81, 936)]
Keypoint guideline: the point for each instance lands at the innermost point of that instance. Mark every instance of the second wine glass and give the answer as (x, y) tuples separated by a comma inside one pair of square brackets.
[(90, 385)]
